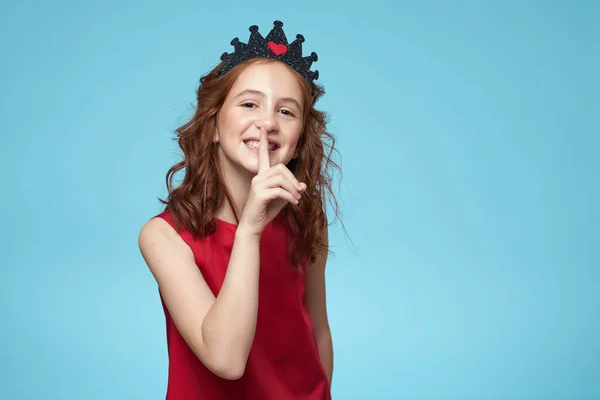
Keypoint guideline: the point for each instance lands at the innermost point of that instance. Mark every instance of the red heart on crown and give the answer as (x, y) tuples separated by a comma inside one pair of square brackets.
[(277, 48)]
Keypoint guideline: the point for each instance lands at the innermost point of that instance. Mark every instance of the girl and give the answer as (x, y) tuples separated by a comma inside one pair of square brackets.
[(239, 252)]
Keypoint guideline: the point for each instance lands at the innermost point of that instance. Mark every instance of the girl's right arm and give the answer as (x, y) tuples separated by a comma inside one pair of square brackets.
[(220, 330)]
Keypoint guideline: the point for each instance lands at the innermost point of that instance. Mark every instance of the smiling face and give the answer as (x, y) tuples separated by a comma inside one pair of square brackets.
[(265, 94)]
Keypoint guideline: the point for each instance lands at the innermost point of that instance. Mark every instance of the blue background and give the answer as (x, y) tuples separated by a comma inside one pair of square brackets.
[(469, 141)]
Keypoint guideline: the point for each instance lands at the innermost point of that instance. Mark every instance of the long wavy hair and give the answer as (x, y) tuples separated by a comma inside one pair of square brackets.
[(195, 201)]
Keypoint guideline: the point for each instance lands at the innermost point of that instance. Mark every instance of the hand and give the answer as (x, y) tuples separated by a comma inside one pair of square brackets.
[(271, 189)]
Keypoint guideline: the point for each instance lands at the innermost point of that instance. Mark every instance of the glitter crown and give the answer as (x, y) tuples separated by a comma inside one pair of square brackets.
[(275, 46)]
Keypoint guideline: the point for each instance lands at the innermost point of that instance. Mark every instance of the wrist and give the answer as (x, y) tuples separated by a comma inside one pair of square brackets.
[(245, 232)]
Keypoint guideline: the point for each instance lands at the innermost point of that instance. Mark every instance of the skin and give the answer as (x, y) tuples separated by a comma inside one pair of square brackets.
[(220, 329), (277, 107)]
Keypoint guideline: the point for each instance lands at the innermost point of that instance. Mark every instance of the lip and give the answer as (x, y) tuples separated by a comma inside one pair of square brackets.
[(271, 142)]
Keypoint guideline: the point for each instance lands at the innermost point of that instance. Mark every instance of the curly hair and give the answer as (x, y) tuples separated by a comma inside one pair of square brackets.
[(202, 192)]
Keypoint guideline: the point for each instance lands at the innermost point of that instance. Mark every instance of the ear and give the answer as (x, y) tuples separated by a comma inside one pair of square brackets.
[(216, 137)]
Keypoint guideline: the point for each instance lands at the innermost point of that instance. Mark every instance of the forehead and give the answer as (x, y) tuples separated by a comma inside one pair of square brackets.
[(272, 78)]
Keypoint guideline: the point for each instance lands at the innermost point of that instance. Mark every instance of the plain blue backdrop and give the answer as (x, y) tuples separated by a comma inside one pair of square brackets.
[(468, 134)]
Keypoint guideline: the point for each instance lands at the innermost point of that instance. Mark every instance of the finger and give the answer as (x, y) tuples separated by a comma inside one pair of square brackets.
[(281, 181), (279, 193), (281, 169), (263, 151)]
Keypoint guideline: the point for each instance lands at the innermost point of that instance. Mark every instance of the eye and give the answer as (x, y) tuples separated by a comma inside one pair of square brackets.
[(248, 105), (288, 112)]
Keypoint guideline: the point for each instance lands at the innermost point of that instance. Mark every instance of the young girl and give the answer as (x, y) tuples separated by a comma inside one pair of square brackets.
[(239, 252)]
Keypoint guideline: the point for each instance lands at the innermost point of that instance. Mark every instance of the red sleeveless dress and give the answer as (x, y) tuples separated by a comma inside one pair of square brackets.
[(283, 363)]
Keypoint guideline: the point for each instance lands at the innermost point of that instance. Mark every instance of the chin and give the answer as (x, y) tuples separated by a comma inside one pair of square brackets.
[(252, 169)]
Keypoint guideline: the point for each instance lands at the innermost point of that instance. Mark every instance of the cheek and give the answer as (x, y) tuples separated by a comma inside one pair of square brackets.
[(295, 135), (292, 142), (234, 123)]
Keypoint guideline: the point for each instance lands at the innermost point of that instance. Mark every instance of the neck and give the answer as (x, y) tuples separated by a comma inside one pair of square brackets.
[(238, 182)]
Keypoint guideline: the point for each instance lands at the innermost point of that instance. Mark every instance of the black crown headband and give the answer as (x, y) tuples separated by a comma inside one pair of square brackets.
[(275, 46)]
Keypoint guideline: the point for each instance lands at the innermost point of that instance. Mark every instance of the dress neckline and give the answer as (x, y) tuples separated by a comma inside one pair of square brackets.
[(233, 226), (229, 225)]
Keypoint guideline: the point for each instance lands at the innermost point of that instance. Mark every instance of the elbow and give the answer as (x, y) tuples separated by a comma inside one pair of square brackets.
[(223, 358), (224, 364), (229, 370), (232, 374)]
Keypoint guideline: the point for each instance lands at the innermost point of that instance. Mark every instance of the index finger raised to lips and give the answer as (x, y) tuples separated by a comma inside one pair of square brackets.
[(263, 151)]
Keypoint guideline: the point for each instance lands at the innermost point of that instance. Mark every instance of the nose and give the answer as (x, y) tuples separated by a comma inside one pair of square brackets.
[(268, 121)]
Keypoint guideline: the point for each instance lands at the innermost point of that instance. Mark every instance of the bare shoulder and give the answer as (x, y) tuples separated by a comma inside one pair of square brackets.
[(156, 228), (160, 245), (182, 286)]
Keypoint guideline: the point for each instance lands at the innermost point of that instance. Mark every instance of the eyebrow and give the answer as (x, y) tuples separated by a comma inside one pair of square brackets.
[(258, 92)]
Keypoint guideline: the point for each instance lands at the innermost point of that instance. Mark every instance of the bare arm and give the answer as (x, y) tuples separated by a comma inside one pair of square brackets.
[(317, 306), (219, 330)]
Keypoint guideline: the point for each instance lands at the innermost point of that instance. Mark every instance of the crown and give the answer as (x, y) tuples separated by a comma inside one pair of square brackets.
[(275, 46)]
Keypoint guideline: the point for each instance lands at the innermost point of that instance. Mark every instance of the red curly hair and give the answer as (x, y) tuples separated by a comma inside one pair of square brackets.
[(196, 200)]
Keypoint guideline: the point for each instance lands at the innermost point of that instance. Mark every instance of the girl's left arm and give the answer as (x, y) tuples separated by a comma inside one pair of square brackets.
[(316, 301)]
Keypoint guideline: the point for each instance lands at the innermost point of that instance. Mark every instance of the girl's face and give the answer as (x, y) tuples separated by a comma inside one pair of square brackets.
[(264, 95)]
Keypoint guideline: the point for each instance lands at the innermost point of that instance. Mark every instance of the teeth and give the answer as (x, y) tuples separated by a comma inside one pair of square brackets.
[(255, 145)]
